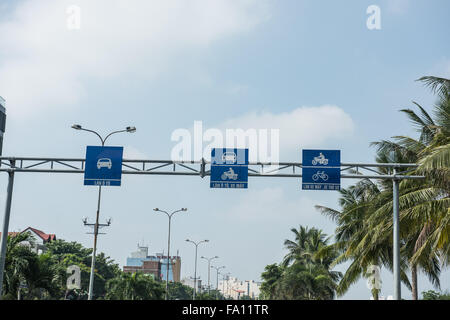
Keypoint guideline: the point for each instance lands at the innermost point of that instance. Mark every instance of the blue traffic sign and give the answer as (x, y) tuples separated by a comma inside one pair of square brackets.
[(321, 170), (229, 168), (103, 166)]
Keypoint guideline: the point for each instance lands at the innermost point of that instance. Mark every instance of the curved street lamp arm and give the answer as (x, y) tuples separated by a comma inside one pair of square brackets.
[(112, 134), (88, 130), (176, 212)]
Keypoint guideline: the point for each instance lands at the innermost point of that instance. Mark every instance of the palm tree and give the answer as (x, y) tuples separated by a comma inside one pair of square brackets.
[(306, 243), (364, 232), (271, 277), (352, 236), (24, 268), (424, 204), (42, 277), (134, 286), (301, 282), (17, 261), (303, 274)]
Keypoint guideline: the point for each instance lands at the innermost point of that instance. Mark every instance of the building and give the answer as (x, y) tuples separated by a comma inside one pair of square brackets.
[(190, 283), (155, 265), (40, 239), (234, 288)]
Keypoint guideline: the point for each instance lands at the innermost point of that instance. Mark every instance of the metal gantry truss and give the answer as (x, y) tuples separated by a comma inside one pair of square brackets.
[(202, 168)]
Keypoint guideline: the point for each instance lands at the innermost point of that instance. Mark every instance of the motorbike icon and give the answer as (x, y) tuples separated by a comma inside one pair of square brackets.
[(229, 175), (320, 174), (320, 160)]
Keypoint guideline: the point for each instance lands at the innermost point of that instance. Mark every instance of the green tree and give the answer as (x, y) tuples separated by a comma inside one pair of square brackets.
[(134, 286), (17, 260), (179, 291), (433, 295), (73, 253), (27, 274), (302, 282), (271, 277), (364, 232), (305, 272), (352, 235)]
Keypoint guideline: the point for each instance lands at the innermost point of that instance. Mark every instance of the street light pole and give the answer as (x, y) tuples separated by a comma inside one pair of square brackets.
[(225, 276), (195, 269), (396, 238), (217, 279), (168, 246), (96, 226), (209, 268), (4, 239)]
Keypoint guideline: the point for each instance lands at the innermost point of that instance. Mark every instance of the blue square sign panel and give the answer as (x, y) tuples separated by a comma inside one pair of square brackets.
[(103, 166), (229, 168), (321, 170)]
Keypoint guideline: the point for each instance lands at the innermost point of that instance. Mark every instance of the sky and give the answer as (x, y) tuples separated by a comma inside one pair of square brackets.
[(311, 69)]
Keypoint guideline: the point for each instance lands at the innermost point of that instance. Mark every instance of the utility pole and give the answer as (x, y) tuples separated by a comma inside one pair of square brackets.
[(96, 226)]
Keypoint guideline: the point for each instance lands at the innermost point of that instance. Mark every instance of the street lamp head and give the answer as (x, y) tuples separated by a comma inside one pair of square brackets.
[(187, 240), (206, 240), (76, 127), (183, 209), (131, 129), (156, 209)]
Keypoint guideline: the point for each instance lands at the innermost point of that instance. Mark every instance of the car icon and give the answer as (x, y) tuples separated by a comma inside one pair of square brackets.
[(229, 157), (104, 163)]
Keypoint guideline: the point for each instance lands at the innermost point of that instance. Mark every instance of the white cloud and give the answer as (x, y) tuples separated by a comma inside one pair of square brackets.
[(44, 64), (302, 127), (269, 136)]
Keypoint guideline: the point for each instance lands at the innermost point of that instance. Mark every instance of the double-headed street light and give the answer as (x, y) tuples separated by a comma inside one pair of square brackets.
[(96, 225), (209, 268), (103, 140), (217, 279), (168, 246), (195, 270)]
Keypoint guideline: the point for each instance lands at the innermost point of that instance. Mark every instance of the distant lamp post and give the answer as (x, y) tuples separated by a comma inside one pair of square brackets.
[(168, 246), (195, 270), (226, 276), (217, 279), (96, 225), (209, 268)]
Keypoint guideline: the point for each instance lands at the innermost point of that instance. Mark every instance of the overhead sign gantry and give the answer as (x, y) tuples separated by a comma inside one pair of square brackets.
[(202, 168)]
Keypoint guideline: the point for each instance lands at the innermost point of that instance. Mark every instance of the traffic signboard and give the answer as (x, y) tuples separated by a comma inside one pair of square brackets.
[(103, 166), (321, 170), (229, 168)]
